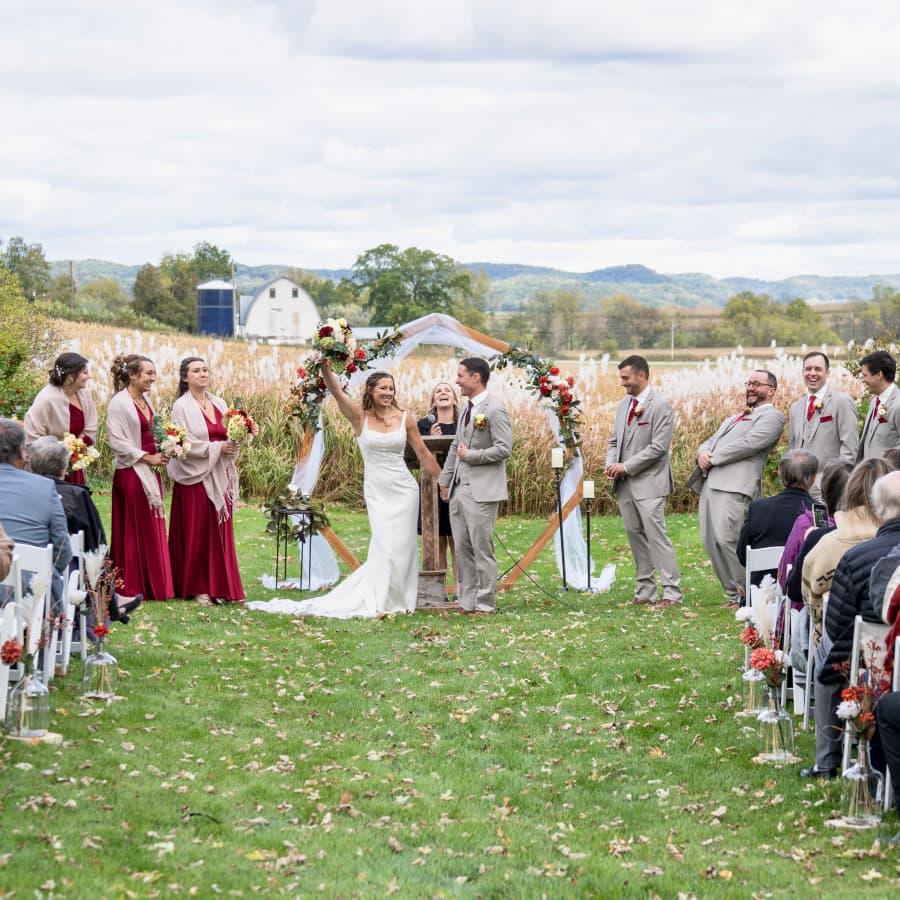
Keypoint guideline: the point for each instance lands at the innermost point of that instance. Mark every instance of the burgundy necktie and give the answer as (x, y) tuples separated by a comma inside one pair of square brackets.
[(877, 407), (810, 407), (633, 411), (468, 416)]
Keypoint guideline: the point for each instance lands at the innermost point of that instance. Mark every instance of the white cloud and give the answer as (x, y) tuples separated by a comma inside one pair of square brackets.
[(754, 139)]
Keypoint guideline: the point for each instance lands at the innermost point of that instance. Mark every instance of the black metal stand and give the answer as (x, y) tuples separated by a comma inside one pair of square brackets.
[(588, 517), (283, 545), (562, 541)]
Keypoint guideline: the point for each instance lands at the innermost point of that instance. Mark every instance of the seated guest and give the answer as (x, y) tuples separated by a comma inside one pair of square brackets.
[(848, 597), (6, 553), (887, 713), (50, 458), (769, 521), (30, 509)]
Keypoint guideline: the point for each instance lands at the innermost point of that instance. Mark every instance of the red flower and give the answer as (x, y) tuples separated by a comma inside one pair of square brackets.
[(360, 353), (564, 409), (543, 379), (301, 372), (100, 631), (326, 331), (571, 380), (10, 652), (554, 370), (545, 389), (351, 366)]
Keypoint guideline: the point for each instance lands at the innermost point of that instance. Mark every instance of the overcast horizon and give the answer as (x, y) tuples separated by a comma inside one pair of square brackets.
[(732, 140)]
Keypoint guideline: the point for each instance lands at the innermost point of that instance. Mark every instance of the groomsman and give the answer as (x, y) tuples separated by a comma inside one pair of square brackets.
[(638, 465), (881, 430), (473, 480), (824, 421), (729, 475)]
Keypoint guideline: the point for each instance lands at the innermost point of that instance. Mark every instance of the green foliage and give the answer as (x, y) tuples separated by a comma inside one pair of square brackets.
[(400, 285), (310, 513), (30, 267), (757, 319)]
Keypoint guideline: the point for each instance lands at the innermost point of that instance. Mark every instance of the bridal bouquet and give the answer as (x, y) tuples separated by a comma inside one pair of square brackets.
[(335, 342), (240, 426), (81, 454), (170, 437)]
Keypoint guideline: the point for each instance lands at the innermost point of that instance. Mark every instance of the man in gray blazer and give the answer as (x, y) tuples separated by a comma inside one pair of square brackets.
[(729, 475), (30, 509), (637, 463), (473, 480), (823, 421), (881, 430)]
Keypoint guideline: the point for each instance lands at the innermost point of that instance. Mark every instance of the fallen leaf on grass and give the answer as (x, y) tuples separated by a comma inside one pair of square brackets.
[(395, 845)]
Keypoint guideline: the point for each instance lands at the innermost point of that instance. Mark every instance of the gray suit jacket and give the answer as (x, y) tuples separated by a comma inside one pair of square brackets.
[(643, 447), (833, 431), (32, 513), (484, 467), (740, 449), (878, 436)]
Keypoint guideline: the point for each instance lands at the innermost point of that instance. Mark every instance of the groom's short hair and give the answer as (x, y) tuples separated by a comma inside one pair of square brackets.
[(479, 366)]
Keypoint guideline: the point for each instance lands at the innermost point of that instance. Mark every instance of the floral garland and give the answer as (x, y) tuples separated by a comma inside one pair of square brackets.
[(334, 341), (552, 390), (278, 512)]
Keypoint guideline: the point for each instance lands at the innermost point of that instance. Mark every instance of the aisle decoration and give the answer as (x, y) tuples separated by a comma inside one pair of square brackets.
[(28, 705), (295, 516), (81, 454), (101, 669), (862, 786), (333, 340), (170, 437)]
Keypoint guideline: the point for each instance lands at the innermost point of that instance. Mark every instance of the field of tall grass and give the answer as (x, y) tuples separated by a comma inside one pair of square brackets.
[(702, 393)]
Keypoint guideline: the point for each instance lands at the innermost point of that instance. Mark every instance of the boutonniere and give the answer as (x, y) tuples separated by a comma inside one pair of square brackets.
[(883, 414), (748, 411), (817, 405), (480, 421), (638, 411)]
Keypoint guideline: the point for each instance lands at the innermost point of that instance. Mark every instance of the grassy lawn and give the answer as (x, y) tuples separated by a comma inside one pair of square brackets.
[(571, 745)]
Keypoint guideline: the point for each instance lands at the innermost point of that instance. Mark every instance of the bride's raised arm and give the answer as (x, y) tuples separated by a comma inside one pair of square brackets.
[(427, 462), (350, 410)]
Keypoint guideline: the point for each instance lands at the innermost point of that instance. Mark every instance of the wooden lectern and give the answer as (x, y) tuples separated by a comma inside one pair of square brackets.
[(432, 593)]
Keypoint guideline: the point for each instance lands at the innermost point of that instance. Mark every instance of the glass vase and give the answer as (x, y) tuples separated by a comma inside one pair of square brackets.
[(753, 693), (862, 789), (775, 730), (101, 673), (28, 705)]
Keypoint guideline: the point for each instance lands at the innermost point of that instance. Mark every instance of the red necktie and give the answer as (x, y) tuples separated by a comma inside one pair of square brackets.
[(633, 411), (810, 408), (468, 416), (877, 407)]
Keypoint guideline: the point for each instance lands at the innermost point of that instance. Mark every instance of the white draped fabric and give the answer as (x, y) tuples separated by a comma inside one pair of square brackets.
[(437, 328)]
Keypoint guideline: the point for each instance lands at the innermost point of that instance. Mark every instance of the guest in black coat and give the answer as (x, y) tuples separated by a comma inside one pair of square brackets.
[(769, 521)]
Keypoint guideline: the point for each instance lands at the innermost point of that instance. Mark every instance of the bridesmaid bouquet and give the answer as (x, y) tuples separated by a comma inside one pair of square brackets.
[(171, 438), (240, 426), (81, 455)]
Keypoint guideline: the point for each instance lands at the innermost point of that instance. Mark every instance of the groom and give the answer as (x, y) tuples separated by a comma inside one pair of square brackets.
[(474, 482)]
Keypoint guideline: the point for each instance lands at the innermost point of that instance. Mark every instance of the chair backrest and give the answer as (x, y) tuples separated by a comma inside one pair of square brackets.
[(11, 586), (868, 639), (760, 559), (39, 562)]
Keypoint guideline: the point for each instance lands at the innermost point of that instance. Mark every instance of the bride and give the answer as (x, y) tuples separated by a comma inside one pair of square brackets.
[(388, 581)]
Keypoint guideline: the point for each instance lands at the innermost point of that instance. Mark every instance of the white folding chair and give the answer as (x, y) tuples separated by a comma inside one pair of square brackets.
[(74, 600), (864, 634), (760, 559), (7, 632), (895, 686), (39, 562)]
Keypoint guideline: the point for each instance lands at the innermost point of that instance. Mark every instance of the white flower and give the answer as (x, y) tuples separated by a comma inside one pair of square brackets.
[(93, 563), (848, 709), (744, 614)]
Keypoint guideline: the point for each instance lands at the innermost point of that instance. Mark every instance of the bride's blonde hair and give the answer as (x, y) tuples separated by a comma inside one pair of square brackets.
[(371, 381)]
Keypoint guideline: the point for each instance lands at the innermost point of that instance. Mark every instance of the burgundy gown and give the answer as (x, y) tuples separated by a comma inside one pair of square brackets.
[(76, 427), (204, 559), (139, 549)]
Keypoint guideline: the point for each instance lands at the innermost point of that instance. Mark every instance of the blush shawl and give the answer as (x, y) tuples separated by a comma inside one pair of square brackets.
[(49, 414), (205, 461), (123, 433)]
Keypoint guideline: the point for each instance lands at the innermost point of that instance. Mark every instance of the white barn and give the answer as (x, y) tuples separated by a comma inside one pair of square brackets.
[(280, 311)]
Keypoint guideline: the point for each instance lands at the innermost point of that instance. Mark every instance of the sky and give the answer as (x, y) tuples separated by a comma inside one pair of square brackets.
[(732, 138)]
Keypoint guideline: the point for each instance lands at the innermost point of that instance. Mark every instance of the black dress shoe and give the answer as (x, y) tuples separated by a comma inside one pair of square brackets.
[(818, 773)]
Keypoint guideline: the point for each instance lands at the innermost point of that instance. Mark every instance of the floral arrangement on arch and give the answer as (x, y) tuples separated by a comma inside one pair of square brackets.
[(81, 454), (552, 390), (311, 515), (334, 340)]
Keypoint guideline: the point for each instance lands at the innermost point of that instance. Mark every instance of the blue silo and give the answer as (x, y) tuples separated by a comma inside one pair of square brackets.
[(215, 308)]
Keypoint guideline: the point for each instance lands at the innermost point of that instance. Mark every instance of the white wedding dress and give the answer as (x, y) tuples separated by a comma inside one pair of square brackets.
[(388, 580)]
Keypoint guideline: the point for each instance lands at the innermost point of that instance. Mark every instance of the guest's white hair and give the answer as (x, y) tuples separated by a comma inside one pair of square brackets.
[(886, 496)]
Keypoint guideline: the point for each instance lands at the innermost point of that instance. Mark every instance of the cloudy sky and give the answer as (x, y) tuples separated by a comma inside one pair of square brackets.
[(734, 138)]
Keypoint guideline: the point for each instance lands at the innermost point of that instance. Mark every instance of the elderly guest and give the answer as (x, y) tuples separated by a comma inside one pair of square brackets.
[(64, 405), (30, 508), (139, 549)]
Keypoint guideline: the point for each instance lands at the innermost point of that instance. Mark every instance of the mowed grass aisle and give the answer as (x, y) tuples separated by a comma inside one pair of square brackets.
[(573, 745)]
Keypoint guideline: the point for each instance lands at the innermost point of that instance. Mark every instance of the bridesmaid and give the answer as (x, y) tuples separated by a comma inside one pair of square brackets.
[(64, 405), (201, 536), (139, 549)]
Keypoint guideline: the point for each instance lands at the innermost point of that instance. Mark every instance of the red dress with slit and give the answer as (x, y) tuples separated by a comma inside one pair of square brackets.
[(139, 548), (204, 559)]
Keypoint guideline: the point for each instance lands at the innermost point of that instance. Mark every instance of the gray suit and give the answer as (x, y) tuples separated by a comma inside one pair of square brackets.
[(643, 448), (740, 448), (832, 432), (477, 484), (32, 513), (878, 436)]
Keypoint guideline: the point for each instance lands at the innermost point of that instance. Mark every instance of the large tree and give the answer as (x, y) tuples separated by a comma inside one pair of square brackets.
[(28, 263), (398, 285)]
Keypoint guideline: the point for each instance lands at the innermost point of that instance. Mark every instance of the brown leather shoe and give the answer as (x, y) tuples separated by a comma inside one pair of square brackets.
[(667, 604), (465, 612), (639, 601)]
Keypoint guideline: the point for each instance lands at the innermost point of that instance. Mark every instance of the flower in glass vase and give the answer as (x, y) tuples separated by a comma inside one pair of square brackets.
[(81, 454), (170, 437)]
